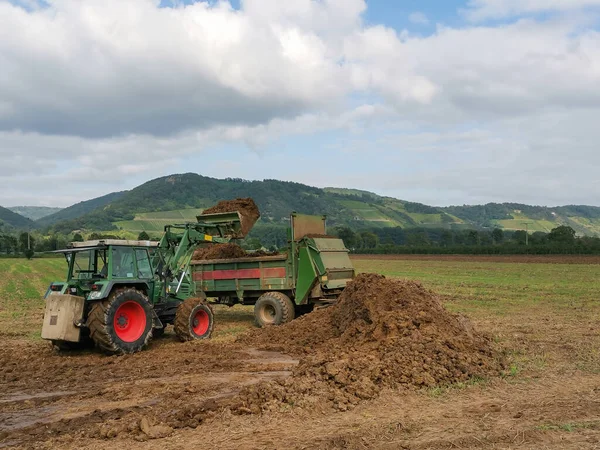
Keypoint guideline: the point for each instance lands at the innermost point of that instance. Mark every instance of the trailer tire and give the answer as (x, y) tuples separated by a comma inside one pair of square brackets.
[(273, 308), (194, 319), (122, 323)]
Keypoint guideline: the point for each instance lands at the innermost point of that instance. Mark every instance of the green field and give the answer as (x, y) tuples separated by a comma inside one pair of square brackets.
[(519, 220), (390, 214), (494, 286), (22, 285), (154, 222)]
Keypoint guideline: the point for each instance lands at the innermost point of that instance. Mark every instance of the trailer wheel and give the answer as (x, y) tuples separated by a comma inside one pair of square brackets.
[(194, 319), (122, 323), (273, 308)]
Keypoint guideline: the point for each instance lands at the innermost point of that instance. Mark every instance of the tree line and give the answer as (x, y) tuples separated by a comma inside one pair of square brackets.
[(560, 240)]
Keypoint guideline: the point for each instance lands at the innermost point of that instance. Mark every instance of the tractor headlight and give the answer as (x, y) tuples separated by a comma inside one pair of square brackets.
[(95, 294)]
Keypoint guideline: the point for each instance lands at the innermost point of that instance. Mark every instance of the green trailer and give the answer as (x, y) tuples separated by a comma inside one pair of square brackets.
[(314, 272)]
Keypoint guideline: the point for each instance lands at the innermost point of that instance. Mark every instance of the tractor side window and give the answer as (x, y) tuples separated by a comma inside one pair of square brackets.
[(83, 265), (101, 265), (143, 263), (123, 263)]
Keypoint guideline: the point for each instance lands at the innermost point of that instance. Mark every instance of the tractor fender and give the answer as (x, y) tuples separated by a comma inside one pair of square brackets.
[(110, 286)]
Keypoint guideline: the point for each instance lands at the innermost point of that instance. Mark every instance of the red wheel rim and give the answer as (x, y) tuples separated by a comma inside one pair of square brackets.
[(130, 321), (200, 322)]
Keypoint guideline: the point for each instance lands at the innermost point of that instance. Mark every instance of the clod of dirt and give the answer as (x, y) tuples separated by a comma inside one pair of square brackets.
[(154, 431), (380, 333), (245, 206)]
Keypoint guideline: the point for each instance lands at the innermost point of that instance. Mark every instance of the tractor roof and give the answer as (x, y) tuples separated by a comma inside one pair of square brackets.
[(103, 243), (121, 242)]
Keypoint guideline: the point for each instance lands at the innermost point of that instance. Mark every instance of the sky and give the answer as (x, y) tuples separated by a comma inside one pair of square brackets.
[(439, 102)]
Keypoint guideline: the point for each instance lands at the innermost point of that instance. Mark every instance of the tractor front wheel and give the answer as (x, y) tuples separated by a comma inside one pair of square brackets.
[(273, 308), (122, 323), (194, 320)]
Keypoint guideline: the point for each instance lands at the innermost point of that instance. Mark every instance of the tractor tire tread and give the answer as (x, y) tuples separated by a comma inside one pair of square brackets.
[(98, 323), (286, 304), (182, 317)]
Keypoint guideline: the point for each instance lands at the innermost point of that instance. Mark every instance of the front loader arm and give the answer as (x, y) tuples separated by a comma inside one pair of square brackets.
[(178, 245)]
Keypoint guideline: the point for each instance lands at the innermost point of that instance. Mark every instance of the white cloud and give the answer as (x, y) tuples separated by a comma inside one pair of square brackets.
[(99, 95), (418, 18), (104, 67), (498, 9), (60, 170)]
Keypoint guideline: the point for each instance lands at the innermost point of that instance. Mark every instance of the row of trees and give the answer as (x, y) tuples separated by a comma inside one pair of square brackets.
[(444, 238), (561, 239), (13, 244)]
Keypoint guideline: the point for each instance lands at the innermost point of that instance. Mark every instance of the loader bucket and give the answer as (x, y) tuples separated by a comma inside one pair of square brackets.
[(233, 218), (229, 224)]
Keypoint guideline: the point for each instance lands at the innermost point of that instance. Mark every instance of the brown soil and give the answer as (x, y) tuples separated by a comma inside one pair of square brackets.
[(381, 333), (522, 259), (149, 395), (220, 251), (245, 206), (227, 251)]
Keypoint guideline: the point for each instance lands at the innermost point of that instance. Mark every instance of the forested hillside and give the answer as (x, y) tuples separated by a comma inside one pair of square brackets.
[(164, 200), (9, 219), (34, 212), (79, 210), (177, 198)]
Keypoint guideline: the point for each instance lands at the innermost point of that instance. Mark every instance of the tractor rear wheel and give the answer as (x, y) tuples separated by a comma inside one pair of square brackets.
[(194, 319), (273, 308), (122, 323)]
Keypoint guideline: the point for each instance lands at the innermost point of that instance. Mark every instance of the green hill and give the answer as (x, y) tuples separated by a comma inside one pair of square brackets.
[(177, 198), (9, 219), (584, 220), (78, 210), (34, 212)]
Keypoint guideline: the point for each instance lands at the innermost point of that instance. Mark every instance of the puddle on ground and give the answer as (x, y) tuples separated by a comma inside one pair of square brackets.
[(269, 357), (22, 396)]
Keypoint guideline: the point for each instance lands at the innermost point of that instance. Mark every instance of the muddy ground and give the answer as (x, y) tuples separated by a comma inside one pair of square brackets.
[(186, 395)]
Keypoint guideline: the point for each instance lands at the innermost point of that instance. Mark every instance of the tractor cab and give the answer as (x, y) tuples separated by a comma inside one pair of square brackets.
[(94, 266)]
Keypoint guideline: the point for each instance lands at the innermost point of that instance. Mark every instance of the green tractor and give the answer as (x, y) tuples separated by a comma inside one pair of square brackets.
[(120, 293)]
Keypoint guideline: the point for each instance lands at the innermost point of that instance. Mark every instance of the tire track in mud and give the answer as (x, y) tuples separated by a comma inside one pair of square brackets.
[(92, 396)]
